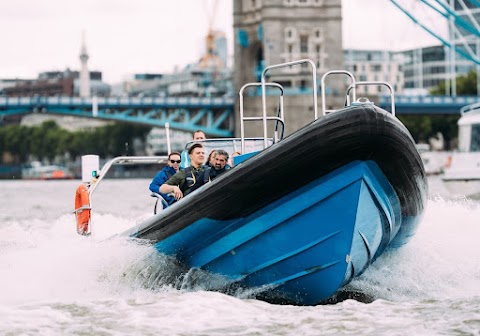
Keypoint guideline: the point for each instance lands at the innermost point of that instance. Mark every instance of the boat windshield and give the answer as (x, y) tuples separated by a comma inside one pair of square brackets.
[(230, 145)]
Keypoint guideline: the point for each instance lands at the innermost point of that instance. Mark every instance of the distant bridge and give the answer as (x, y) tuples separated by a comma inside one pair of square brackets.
[(431, 105), (212, 115), (215, 116)]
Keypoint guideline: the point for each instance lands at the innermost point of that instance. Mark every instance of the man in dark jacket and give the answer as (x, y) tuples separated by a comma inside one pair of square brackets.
[(188, 179), (219, 164), (172, 167)]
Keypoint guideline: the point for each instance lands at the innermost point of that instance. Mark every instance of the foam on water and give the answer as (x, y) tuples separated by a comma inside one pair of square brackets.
[(56, 282), (43, 259), (442, 260)]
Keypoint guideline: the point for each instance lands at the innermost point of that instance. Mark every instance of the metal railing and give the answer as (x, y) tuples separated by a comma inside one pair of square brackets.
[(324, 90), (279, 119)]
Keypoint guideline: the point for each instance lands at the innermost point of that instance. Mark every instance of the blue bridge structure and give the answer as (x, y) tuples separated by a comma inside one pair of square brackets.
[(215, 116), (212, 115), (427, 105)]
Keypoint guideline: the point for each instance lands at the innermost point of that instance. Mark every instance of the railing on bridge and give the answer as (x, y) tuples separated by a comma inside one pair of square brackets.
[(427, 104), (127, 101)]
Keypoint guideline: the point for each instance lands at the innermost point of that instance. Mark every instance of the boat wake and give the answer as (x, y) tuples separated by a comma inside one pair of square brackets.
[(48, 259), (442, 261)]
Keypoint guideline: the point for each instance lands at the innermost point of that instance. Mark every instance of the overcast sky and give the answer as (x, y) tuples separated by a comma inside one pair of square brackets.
[(130, 36)]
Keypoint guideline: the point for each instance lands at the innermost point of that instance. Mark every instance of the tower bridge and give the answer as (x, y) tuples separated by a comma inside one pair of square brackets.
[(215, 116), (267, 33)]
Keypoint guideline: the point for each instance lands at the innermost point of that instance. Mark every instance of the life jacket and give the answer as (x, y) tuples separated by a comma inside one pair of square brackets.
[(194, 179)]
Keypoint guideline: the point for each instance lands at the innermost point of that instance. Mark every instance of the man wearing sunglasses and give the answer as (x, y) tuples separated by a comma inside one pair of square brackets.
[(190, 178), (172, 167)]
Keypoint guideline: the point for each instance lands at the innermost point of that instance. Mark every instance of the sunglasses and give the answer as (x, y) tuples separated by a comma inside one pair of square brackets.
[(175, 161)]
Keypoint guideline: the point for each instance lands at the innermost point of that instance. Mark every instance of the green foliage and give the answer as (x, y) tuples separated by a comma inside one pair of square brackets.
[(48, 140), (424, 127), (466, 85)]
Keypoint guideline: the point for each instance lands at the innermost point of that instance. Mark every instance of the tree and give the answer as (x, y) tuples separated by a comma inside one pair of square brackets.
[(466, 85), (48, 141)]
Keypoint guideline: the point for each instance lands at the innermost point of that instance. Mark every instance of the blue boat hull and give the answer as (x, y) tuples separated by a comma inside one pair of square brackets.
[(332, 242), (302, 218)]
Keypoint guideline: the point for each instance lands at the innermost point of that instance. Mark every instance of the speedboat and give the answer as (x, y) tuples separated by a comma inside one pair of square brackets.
[(462, 174), (297, 220)]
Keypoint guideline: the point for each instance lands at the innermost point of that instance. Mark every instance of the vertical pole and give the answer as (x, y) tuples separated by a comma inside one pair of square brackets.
[(94, 106), (478, 67), (167, 133), (447, 72), (451, 34)]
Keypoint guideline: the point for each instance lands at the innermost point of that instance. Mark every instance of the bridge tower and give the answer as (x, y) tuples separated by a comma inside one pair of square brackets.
[(84, 73), (269, 32)]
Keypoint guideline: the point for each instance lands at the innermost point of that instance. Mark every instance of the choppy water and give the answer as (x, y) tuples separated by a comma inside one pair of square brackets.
[(53, 282)]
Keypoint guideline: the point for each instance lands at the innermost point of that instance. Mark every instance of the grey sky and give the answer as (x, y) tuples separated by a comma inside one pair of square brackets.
[(128, 36)]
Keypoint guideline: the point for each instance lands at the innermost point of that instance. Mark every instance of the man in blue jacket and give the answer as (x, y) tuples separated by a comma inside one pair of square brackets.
[(172, 167)]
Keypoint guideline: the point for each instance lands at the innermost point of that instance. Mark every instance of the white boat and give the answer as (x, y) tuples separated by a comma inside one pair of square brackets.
[(37, 171), (462, 172)]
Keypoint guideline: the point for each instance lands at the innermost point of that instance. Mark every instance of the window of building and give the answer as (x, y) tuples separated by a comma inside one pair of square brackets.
[(290, 34), (285, 84), (304, 43)]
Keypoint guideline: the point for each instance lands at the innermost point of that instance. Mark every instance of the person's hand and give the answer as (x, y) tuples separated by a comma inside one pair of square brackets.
[(177, 193)]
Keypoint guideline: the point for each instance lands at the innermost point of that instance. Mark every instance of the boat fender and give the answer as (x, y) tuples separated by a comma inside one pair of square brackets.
[(82, 210)]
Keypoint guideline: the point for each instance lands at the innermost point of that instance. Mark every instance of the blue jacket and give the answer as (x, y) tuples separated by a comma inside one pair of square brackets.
[(159, 179)]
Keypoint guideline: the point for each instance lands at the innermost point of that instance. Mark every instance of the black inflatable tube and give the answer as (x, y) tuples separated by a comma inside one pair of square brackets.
[(364, 132)]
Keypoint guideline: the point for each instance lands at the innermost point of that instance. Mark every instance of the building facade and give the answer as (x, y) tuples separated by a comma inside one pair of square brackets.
[(425, 68), (57, 83), (375, 65), (268, 32)]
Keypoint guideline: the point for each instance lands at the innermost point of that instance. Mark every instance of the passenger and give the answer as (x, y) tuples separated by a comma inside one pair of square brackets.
[(199, 135), (189, 179), (237, 153), (220, 166), (211, 158), (172, 167)]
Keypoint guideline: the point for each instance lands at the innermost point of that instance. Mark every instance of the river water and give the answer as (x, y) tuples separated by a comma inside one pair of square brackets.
[(54, 282)]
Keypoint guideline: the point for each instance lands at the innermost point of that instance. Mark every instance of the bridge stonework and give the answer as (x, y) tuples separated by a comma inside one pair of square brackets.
[(270, 32)]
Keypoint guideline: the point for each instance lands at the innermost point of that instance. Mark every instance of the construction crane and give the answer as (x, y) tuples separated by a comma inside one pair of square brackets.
[(211, 60)]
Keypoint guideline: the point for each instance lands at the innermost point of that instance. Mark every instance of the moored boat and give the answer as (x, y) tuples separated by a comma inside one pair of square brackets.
[(49, 172), (462, 174), (305, 215)]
